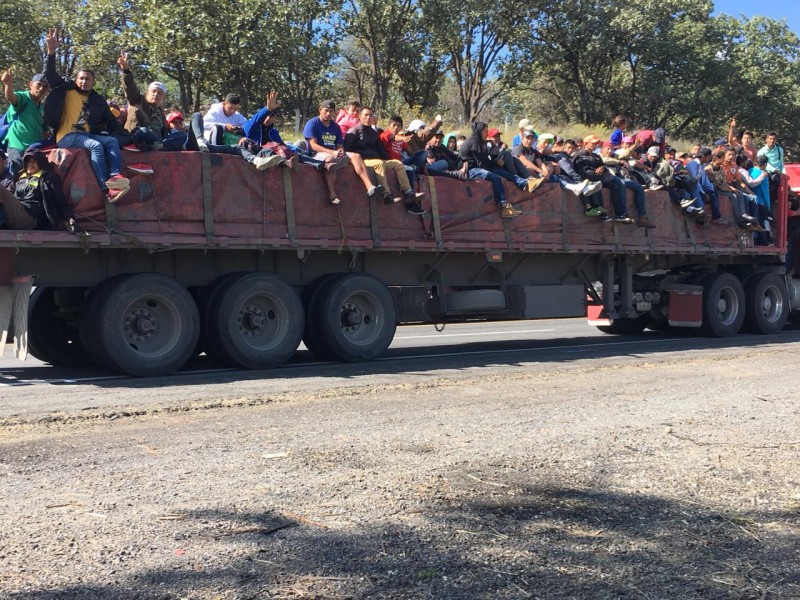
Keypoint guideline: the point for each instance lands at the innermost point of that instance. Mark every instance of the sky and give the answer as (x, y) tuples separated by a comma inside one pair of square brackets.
[(775, 9)]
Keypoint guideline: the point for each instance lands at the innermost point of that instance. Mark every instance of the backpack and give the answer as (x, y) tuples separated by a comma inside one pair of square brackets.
[(5, 125)]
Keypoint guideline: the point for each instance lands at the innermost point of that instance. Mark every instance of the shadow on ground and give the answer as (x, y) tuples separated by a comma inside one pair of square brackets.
[(508, 542)]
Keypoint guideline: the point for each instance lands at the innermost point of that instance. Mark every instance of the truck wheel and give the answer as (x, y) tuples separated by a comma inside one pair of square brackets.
[(357, 317), (312, 337), (723, 304), (89, 323), (256, 321), (625, 326), (53, 337), (205, 298), (145, 324), (766, 303)]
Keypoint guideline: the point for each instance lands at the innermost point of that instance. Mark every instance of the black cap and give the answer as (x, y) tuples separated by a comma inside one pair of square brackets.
[(704, 151), (39, 77), (327, 104), (233, 98)]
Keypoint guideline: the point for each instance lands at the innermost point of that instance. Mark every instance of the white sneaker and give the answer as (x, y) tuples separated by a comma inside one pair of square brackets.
[(265, 162), (686, 202), (592, 187), (202, 146), (575, 188)]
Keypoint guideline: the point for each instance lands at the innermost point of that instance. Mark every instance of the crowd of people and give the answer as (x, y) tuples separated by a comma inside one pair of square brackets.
[(69, 113)]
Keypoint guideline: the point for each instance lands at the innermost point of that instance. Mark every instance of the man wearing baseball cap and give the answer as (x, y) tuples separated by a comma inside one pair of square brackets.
[(25, 114), (523, 125), (146, 120)]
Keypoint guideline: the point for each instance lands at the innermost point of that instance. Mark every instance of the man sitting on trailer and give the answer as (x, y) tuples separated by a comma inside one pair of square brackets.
[(716, 174), (146, 120), (326, 144), (81, 118), (364, 140)]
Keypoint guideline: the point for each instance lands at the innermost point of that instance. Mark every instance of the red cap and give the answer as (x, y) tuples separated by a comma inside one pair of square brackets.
[(175, 115), (607, 144), (493, 132)]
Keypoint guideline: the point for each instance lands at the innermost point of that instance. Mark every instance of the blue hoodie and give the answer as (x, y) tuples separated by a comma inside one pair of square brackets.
[(255, 130)]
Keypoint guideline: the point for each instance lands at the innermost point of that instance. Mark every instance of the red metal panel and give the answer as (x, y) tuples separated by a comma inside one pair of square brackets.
[(686, 308)]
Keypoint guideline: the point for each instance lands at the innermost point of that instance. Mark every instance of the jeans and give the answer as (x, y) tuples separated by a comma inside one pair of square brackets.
[(638, 196), (516, 179), (175, 140), (103, 153), (618, 194), (497, 183), (713, 200), (417, 160), (439, 165)]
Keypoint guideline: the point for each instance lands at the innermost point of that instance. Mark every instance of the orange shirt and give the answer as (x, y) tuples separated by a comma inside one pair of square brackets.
[(731, 172)]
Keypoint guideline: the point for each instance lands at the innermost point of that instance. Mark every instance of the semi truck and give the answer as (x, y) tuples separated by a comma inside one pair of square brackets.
[(209, 255)]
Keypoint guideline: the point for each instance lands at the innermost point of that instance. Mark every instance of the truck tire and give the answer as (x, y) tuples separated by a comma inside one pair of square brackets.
[(723, 304), (357, 317), (255, 321), (312, 336), (625, 326), (766, 303), (88, 323), (475, 301), (204, 299), (53, 339), (146, 324)]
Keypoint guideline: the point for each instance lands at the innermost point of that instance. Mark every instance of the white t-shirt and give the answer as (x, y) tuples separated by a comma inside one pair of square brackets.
[(216, 116)]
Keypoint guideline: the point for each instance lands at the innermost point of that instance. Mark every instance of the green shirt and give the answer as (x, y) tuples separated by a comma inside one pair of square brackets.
[(27, 122)]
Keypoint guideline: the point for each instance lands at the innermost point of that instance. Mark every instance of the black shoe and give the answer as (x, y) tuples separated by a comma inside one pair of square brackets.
[(375, 190), (414, 208)]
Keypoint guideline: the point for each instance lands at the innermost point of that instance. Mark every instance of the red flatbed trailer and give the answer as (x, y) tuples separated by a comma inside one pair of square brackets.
[(208, 254)]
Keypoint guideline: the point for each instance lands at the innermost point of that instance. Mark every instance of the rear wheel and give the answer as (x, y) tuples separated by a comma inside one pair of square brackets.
[(766, 303), (53, 331), (357, 317), (723, 304), (255, 321), (313, 336), (144, 325)]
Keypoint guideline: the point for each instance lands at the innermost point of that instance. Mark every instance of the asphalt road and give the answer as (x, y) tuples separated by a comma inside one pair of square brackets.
[(31, 389)]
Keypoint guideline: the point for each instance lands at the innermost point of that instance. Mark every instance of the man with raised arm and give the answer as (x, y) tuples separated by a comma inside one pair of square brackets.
[(80, 118), (146, 120), (26, 115)]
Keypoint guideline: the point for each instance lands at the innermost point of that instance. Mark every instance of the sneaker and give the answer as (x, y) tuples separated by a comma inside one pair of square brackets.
[(114, 195), (595, 211), (118, 182), (687, 202), (374, 190), (655, 187), (645, 222), (534, 182), (413, 208), (335, 201), (623, 219), (202, 146), (575, 188), (131, 148), (141, 168), (749, 219), (592, 187), (265, 162), (410, 195), (605, 218), (157, 146), (509, 212)]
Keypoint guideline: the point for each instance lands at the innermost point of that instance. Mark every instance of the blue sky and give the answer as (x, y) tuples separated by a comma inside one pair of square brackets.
[(775, 9)]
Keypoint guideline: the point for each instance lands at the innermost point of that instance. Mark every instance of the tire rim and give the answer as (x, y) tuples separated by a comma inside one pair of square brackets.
[(361, 318), (152, 325), (727, 305), (772, 304), (262, 322)]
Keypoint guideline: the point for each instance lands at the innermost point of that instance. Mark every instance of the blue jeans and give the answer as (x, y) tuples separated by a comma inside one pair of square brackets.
[(103, 153), (516, 179), (417, 160), (638, 196), (497, 183), (713, 200), (175, 140), (618, 194)]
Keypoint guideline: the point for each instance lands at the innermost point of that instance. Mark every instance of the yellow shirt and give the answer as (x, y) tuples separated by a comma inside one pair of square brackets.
[(74, 104)]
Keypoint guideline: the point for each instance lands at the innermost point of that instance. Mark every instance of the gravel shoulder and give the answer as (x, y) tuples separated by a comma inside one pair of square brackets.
[(671, 475)]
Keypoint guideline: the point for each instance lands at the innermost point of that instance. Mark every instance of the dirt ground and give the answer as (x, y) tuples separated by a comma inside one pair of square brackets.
[(671, 475)]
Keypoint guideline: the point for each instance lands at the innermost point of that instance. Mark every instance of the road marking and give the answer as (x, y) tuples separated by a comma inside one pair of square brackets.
[(444, 335)]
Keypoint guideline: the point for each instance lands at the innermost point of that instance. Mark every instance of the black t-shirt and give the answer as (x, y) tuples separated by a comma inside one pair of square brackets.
[(532, 154)]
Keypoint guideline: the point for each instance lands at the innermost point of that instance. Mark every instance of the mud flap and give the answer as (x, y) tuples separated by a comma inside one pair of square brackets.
[(5, 316), (21, 293)]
